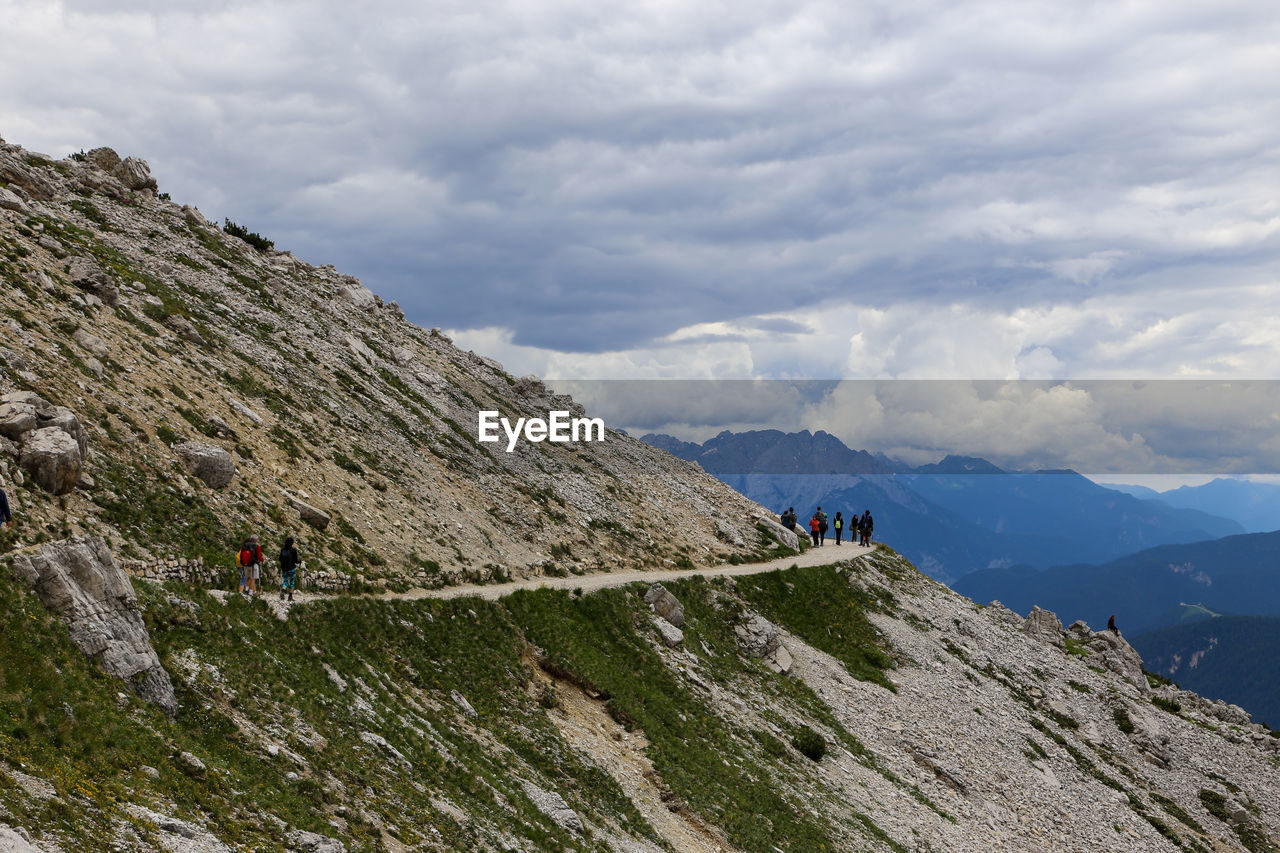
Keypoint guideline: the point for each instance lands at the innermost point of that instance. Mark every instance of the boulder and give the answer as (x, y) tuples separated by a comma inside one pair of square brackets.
[(17, 419), (88, 276), (9, 200), (135, 174), (91, 343), (758, 636), (210, 463), (782, 534), (358, 295), (65, 420), (665, 604), (317, 518), (16, 172), (302, 841), (79, 580), (104, 158), (184, 328), (52, 459), (461, 702), (671, 635), (191, 766), (553, 806), (1044, 626)]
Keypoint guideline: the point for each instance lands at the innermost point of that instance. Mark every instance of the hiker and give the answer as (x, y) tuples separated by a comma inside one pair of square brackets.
[(250, 562), (789, 518), (822, 527), (288, 569), (813, 528), (866, 526), (839, 525), (6, 517), (1111, 625)]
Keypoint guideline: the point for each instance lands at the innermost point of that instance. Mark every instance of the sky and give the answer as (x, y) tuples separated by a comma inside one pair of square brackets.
[(981, 189)]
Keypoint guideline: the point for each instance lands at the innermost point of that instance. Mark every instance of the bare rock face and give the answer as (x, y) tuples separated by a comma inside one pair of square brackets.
[(105, 159), (213, 465), (52, 459), (665, 604), (1045, 626), (79, 580)]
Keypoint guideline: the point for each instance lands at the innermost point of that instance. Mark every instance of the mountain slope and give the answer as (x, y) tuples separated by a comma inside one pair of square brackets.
[(156, 328), (859, 707), (1256, 506)]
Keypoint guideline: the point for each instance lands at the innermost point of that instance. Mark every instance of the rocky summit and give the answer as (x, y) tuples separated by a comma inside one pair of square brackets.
[(443, 681)]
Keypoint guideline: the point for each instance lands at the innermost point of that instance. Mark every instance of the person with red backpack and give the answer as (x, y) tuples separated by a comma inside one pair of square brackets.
[(250, 562)]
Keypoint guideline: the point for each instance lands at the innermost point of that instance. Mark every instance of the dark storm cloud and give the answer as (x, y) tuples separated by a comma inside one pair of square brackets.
[(596, 177)]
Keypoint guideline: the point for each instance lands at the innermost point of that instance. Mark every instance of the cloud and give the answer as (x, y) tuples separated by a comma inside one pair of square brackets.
[(906, 189)]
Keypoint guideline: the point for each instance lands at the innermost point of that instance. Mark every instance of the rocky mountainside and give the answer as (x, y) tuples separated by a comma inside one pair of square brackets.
[(173, 387), (167, 387), (858, 706)]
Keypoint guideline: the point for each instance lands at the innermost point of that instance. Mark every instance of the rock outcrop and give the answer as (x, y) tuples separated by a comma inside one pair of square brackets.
[(1044, 625), (79, 580), (665, 604), (210, 463)]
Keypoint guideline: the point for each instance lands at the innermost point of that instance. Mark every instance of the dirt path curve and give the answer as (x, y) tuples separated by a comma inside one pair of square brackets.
[(603, 580), (822, 556)]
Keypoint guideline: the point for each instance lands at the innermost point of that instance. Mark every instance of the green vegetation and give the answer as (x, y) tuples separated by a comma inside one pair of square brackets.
[(1165, 704), (1123, 722), (810, 744), (253, 238), (828, 613), (1254, 839)]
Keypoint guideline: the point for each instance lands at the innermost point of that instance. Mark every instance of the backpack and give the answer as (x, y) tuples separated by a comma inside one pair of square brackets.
[(245, 557)]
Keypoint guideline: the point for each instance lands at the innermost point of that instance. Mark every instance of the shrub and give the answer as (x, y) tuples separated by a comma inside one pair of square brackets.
[(809, 743), (253, 238)]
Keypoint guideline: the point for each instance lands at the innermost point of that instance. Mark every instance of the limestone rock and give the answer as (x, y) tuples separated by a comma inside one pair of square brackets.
[(671, 635), (358, 295), (665, 604), (317, 518), (461, 702), (213, 465), (1118, 656), (91, 343), (553, 806), (135, 174), (782, 534), (10, 201), (758, 636), (17, 419), (88, 276), (1044, 625), (191, 766), (1004, 614), (104, 158), (52, 459), (184, 327), (15, 172), (312, 842), (64, 419), (79, 580), (13, 841)]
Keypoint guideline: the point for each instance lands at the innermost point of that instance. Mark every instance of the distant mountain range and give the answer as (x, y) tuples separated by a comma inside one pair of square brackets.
[(1235, 658), (1256, 506), (950, 517), (1236, 574)]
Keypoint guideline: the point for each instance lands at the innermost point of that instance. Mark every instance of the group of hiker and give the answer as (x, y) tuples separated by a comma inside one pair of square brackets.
[(249, 561), (860, 527)]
